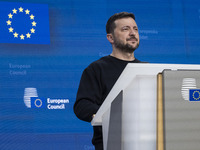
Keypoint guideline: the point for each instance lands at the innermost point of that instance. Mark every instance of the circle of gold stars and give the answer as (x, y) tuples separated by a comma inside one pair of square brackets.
[(197, 93), (15, 33)]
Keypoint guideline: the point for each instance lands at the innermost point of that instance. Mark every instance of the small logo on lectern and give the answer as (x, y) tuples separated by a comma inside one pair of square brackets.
[(187, 84)]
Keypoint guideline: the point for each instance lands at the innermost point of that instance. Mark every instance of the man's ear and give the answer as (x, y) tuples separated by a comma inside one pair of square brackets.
[(110, 38)]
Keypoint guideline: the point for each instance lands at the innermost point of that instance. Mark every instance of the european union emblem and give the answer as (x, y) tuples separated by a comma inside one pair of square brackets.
[(37, 102), (24, 23), (194, 94)]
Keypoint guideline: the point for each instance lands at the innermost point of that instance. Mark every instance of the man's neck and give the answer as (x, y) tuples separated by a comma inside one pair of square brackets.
[(123, 55)]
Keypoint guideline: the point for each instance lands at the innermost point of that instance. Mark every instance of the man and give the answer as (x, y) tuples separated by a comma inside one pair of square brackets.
[(100, 76)]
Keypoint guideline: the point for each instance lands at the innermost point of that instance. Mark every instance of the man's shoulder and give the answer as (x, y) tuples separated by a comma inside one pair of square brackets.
[(102, 64), (101, 61), (138, 61)]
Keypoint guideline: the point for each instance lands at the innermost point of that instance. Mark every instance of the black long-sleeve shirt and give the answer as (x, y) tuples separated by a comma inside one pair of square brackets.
[(96, 82)]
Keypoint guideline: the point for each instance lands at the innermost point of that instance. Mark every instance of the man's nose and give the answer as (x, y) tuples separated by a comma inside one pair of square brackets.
[(133, 32)]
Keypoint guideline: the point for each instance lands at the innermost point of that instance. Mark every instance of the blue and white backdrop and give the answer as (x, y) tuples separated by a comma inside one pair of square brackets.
[(45, 45)]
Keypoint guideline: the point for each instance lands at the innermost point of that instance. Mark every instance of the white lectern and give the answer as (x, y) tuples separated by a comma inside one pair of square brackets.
[(128, 114)]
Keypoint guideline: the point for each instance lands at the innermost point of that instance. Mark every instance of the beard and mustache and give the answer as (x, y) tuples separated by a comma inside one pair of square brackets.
[(125, 47)]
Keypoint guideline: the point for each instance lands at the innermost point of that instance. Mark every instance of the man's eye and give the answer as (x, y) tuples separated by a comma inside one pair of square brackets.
[(124, 29)]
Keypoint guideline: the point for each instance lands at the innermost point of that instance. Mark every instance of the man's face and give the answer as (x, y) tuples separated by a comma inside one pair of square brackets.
[(126, 36)]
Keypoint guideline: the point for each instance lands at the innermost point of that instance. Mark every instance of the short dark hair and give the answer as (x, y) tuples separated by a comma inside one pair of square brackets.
[(110, 25)]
